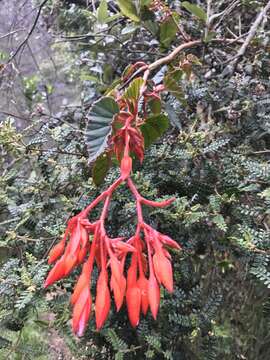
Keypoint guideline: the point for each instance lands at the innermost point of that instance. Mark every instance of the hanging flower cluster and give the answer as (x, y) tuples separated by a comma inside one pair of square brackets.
[(87, 243)]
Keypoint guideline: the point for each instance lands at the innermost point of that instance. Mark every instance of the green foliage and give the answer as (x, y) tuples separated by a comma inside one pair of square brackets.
[(214, 158), (153, 128), (195, 10)]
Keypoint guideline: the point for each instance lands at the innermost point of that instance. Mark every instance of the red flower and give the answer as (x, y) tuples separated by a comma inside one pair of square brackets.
[(143, 286), (163, 270), (103, 300), (56, 273), (56, 251), (133, 304), (153, 295), (81, 311)]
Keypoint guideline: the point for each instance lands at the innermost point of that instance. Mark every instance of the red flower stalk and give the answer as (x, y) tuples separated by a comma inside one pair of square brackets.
[(88, 243)]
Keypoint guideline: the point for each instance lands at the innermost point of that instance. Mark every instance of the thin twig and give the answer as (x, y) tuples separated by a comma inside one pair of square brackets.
[(23, 43), (10, 33), (250, 36)]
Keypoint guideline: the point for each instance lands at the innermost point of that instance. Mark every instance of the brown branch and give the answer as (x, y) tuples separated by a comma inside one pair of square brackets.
[(168, 58)]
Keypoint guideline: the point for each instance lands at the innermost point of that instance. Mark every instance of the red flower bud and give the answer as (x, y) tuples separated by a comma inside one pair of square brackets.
[(169, 242), (143, 286), (84, 236), (103, 300), (70, 262), (56, 251), (81, 312), (133, 297), (75, 238), (82, 283), (56, 273), (118, 291), (153, 295), (163, 270)]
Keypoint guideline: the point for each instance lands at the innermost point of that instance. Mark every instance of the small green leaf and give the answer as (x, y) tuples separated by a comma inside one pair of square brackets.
[(128, 9), (219, 221), (100, 169), (102, 12), (133, 91), (145, 2), (168, 30), (195, 10), (99, 127), (153, 128), (210, 36)]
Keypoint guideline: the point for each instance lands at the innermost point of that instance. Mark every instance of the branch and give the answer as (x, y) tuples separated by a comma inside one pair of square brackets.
[(168, 58), (10, 33), (22, 44), (250, 36)]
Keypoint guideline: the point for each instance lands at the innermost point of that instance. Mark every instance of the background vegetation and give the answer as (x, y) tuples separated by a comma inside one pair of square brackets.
[(214, 158)]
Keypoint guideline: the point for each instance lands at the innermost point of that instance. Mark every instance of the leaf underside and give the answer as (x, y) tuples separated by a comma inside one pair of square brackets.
[(99, 126)]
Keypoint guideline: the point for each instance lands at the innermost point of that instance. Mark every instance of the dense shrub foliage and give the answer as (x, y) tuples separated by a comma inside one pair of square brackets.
[(214, 159)]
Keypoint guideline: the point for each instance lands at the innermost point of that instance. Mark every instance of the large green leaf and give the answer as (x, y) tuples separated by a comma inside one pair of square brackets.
[(99, 127), (153, 128), (168, 30), (100, 168), (195, 10), (128, 9)]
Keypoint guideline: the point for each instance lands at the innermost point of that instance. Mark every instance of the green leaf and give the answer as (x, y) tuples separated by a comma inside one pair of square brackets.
[(128, 9), (145, 2), (168, 30), (99, 127), (170, 83), (133, 90), (102, 12), (153, 128), (210, 36), (100, 169), (155, 106), (219, 221), (195, 10)]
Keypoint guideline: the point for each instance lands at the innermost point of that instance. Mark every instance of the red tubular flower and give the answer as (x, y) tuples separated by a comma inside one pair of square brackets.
[(166, 240), (75, 238), (81, 311), (163, 270), (56, 251), (103, 300), (71, 261), (143, 286), (82, 283), (56, 273), (153, 295), (133, 297), (82, 253), (119, 290)]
